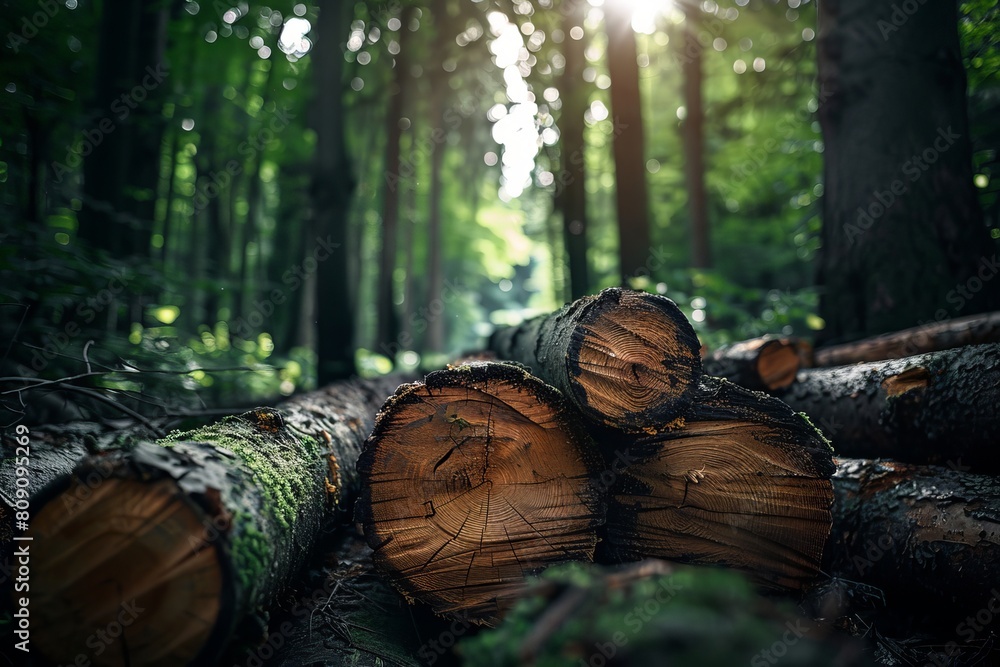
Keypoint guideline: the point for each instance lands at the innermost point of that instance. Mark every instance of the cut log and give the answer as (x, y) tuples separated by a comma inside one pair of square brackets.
[(927, 537), (744, 482), (472, 480), (761, 364), (188, 535), (934, 337), (931, 408), (623, 358)]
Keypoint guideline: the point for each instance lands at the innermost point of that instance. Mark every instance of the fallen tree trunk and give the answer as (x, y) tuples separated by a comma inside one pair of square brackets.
[(932, 408), (744, 482), (945, 335), (473, 479), (625, 359), (927, 537), (761, 364), (187, 535)]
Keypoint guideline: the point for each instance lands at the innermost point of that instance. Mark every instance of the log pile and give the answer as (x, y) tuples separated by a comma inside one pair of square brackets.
[(599, 434)]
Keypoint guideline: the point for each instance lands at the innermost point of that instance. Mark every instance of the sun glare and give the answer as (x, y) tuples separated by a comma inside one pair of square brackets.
[(644, 12)]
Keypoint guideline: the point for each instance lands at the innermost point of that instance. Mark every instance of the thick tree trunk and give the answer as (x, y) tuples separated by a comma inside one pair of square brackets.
[(472, 480), (196, 530), (632, 201), (331, 189), (933, 337), (939, 407), (744, 482), (572, 200), (626, 359), (928, 538), (761, 364), (898, 172)]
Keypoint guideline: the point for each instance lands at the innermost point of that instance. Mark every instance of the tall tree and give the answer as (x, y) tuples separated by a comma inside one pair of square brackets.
[(387, 321), (899, 199), (572, 199), (632, 201), (693, 129), (332, 186)]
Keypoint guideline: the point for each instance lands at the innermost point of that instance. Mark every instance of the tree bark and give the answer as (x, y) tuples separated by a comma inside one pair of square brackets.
[(572, 200), (472, 480), (625, 359), (761, 364), (197, 530), (743, 482), (939, 407), (632, 201), (898, 172), (934, 337), (928, 538)]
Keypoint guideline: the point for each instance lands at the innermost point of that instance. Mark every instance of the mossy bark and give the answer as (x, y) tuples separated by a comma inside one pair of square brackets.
[(624, 359), (935, 408), (258, 485)]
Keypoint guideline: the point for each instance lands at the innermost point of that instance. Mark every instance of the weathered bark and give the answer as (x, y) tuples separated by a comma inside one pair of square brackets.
[(473, 480), (744, 482), (198, 529), (899, 194), (629, 144), (927, 537), (761, 364), (934, 337), (626, 359), (572, 200), (939, 407)]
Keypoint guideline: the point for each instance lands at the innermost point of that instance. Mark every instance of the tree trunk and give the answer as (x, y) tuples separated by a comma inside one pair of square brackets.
[(971, 330), (927, 537), (898, 172), (472, 480), (693, 131), (387, 320), (435, 260), (939, 407), (629, 143), (331, 189), (196, 530), (761, 364), (625, 359), (572, 200), (744, 482)]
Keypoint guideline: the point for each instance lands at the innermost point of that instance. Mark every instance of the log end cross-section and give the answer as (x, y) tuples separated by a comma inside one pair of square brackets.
[(744, 483), (472, 480)]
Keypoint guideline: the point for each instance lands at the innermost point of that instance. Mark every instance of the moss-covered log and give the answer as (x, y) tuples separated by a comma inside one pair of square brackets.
[(744, 482), (927, 538), (623, 358), (473, 479), (934, 337), (934, 408), (188, 535), (761, 364)]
